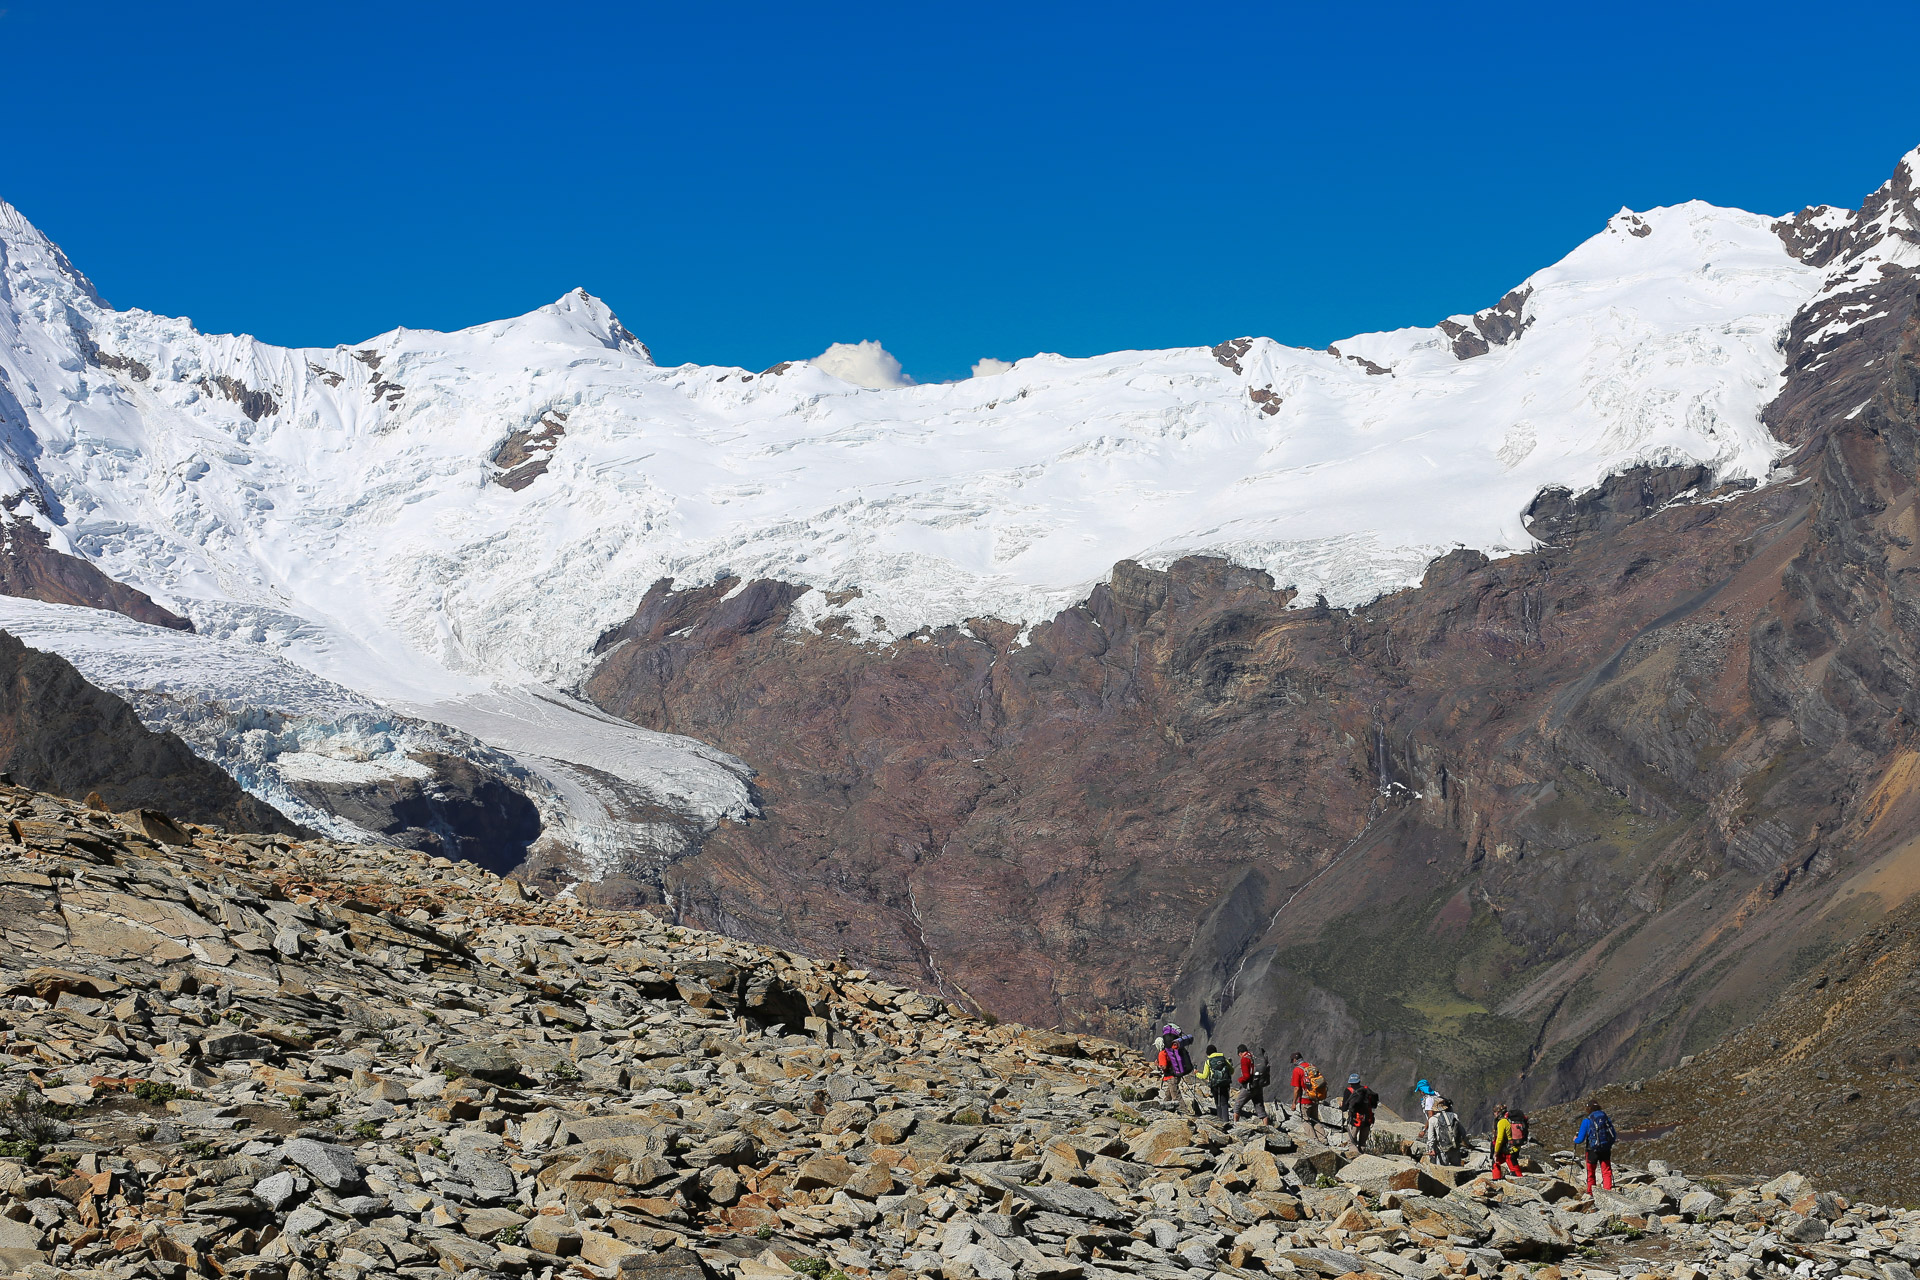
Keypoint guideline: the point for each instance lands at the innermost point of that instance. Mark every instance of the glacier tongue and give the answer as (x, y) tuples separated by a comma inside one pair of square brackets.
[(602, 786), (342, 509)]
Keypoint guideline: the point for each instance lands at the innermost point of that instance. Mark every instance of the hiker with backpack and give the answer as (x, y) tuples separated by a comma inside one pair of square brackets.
[(1357, 1105), (1596, 1131), (1446, 1136), (1253, 1086), (1218, 1073), (1175, 1062), (1309, 1087), (1509, 1135)]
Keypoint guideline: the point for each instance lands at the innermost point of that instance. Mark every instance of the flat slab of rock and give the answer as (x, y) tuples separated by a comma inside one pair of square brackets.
[(332, 1166)]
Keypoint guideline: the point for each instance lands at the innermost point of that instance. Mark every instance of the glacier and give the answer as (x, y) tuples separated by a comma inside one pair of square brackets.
[(338, 512)]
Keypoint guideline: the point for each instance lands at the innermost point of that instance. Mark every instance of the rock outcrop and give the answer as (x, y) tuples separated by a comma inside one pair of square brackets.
[(61, 734), (31, 569), (249, 1056)]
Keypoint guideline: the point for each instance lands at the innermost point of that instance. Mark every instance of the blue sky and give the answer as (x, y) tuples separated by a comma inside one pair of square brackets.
[(749, 183)]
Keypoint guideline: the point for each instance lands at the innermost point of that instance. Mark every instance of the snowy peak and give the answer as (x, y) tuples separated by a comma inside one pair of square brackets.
[(27, 254)]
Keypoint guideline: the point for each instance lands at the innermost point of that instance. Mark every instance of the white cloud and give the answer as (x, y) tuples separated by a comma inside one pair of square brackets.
[(864, 364), (987, 365)]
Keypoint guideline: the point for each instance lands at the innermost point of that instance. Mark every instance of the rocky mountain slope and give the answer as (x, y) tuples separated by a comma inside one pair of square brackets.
[(1828, 1073), (1068, 692), (1544, 821), (247, 1056)]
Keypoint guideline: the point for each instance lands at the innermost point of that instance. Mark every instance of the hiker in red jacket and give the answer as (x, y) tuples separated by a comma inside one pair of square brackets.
[(1252, 1088)]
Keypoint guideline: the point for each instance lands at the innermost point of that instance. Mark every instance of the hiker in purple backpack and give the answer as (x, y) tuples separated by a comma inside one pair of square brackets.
[(1175, 1062)]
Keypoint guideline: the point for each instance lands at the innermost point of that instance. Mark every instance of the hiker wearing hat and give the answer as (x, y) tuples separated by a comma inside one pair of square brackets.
[(1357, 1105), (1429, 1100), (1445, 1134), (1175, 1062)]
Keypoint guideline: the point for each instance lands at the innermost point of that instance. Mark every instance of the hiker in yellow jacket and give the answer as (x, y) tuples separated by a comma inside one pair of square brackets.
[(1218, 1073), (1509, 1132)]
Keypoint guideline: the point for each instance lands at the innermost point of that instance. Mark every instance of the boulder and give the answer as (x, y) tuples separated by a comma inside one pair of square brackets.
[(1156, 1143), (823, 1171), (892, 1127), (227, 1045), (1702, 1206), (479, 1059), (1373, 1174), (1527, 1231), (1787, 1187), (668, 1264), (332, 1166)]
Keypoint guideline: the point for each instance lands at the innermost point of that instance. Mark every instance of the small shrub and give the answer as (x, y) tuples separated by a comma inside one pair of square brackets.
[(967, 1117), (366, 1130), (34, 1123), (1326, 1180), (1129, 1094), (507, 1236), (680, 1086), (815, 1267), (145, 1133), (298, 1104), (565, 1071), (56, 1081), (991, 1018), (160, 1092), (764, 1233), (15, 1149)]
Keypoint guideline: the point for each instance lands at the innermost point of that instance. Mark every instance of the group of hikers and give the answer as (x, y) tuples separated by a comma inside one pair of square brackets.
[(1446, 1136)]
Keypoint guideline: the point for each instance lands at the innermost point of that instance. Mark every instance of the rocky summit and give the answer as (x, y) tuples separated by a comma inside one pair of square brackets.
[(279, 1058)]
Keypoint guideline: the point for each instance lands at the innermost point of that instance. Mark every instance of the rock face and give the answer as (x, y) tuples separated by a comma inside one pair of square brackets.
[(1828, 1071), (459, 810), (61, 734), (1539, 823), (248, 1056), (32, 569)]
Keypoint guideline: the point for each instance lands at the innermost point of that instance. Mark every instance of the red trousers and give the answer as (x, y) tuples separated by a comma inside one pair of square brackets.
[(1603, 1161), (1513, 1163)]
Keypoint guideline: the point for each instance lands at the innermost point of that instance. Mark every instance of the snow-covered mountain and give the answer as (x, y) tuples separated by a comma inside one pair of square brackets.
[(442, 525)]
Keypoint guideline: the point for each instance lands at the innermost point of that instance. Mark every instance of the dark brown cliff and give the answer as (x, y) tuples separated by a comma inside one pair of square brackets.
[(60, 734)]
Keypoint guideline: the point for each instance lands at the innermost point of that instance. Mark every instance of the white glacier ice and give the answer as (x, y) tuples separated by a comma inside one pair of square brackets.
[(335, 509)]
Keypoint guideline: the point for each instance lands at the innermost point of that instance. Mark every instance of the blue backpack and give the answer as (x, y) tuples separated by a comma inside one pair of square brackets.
[(1599, 1131)]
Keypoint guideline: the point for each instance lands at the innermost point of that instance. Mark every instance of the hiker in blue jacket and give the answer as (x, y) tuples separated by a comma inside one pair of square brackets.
[(1597, 1132)]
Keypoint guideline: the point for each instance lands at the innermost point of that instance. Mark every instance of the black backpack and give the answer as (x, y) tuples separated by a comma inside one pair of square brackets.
[(1264, 1076)]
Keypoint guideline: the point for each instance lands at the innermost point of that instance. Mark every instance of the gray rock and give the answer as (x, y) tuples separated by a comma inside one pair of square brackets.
[(674, 1264), (1704, 1206), (332, 1166), (237, 1044), (490, 1179), (305, 1219), (19, 1235), (479, 1059)]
